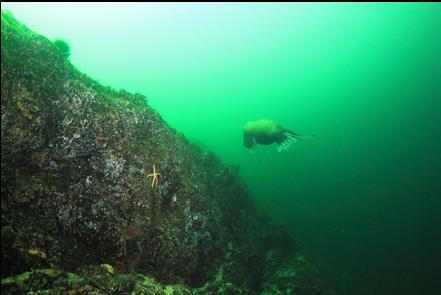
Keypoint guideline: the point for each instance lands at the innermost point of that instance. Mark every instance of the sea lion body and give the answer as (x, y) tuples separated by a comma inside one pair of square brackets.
[(265, 132)]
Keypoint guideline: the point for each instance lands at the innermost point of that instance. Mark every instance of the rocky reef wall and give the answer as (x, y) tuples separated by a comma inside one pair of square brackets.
[(79, 210)]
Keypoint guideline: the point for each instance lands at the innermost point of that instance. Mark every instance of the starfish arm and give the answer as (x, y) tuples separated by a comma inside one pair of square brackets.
[(154, 176)]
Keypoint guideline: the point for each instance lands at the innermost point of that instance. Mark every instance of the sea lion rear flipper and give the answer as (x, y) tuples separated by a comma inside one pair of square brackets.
[(298, 136), (285, 142), (293, 135)]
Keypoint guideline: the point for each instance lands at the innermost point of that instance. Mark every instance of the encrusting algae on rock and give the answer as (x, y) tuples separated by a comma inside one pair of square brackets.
[(108, 268), (37, 252)]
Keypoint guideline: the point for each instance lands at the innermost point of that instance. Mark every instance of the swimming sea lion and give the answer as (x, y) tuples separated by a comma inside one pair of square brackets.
[(266, 132)]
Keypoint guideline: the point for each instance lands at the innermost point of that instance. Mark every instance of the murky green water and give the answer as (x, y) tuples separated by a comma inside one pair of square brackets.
[(363, 198)]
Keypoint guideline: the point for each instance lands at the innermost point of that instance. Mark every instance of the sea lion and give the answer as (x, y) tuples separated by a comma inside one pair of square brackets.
[(265, 132)]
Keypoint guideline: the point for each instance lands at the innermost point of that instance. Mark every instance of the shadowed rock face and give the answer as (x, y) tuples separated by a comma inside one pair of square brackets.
[(75, 157)]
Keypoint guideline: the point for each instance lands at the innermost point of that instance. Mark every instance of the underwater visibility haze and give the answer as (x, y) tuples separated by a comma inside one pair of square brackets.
[(353, 176)]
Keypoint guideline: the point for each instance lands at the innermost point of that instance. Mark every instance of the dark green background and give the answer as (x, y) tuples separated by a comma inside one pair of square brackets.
[(363, 198)]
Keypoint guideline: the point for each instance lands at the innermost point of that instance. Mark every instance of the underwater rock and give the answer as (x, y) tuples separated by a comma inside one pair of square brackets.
[(90, 281), (76, 194), (295, 275), (63, 47)]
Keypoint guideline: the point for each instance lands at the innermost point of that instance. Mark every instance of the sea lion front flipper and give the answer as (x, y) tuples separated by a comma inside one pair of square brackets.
[(251, 151), (248, 140)]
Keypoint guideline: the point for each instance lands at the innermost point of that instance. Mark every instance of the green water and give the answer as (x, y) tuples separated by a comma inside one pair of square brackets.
[(363, 198)]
